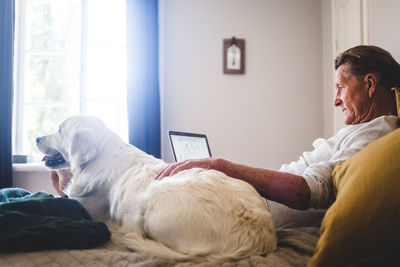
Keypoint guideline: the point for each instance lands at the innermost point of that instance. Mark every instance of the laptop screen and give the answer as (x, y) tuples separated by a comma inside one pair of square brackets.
[(189, 145)]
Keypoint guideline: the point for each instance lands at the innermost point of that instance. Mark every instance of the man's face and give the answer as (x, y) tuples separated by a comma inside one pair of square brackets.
[(351, 96)]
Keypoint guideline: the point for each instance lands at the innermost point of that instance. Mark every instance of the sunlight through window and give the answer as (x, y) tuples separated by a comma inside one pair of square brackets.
[(70, 59)]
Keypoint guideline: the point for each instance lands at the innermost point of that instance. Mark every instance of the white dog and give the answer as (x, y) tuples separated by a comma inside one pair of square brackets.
[(193, 214)]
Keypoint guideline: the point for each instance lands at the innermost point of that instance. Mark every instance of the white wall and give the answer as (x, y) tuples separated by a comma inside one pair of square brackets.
[(268, 115), (383, 25)]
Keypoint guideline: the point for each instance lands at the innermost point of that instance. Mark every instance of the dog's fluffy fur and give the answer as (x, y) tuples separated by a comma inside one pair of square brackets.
[(192, 214)]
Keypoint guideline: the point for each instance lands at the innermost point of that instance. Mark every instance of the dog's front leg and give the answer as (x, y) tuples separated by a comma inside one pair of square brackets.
[(97, 206)]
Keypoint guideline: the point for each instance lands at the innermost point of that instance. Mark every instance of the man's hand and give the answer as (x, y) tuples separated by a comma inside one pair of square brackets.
[(60, 180), (174, 168)]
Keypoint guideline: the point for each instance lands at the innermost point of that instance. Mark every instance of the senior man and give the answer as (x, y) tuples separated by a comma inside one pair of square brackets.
[(366, 80)]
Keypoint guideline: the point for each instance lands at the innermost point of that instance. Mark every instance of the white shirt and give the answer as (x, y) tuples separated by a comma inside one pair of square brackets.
[(316, 166)]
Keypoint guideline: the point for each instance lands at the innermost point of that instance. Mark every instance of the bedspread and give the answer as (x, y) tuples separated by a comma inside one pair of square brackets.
[(39, 221), (295, 248)]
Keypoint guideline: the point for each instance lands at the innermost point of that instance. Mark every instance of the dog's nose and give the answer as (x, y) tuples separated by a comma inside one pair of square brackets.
[(38, 139)]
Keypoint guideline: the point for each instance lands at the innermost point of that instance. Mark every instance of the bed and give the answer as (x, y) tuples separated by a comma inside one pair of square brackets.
[(295, 248), (41, 230), (359, 229)]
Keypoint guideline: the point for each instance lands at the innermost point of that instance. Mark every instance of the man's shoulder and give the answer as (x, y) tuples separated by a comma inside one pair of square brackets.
[(382, 123), (370, 131), (365, 132)]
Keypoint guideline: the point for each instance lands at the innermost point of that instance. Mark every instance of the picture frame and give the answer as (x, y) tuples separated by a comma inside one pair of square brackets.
[(234, 56)]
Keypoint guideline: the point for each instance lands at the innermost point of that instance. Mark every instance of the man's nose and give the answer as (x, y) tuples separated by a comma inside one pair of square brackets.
[(337, 101)]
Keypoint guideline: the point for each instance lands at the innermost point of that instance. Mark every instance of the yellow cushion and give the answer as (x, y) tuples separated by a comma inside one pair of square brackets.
[(362, 227)]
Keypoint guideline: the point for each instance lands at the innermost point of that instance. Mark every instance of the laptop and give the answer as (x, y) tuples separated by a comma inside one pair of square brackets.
[(189, 145)]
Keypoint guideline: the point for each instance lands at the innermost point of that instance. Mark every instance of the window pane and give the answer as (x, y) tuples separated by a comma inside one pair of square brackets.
[(52, 78), (106, 51), (53, 25), (41, 121), (111, 31), (61, 73), (106, 73), (114, 116)]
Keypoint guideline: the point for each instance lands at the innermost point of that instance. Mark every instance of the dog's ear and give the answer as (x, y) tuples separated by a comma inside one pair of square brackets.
[(83, 148)]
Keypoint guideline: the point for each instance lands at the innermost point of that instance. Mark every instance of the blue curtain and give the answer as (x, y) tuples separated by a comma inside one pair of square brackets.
[(142, 72), (6, 89)]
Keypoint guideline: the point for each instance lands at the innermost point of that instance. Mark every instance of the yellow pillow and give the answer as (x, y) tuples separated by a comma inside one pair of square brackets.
[(362, 227)]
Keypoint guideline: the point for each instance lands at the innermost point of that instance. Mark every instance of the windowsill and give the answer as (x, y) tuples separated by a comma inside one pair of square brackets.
[(32, 167), (32, 176)]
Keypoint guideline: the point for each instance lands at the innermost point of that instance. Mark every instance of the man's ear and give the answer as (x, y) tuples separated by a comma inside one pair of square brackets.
[(371, 80), (82, 148)]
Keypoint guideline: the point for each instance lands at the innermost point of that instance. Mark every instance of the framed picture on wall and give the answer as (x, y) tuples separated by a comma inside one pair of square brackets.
[(234, 56)]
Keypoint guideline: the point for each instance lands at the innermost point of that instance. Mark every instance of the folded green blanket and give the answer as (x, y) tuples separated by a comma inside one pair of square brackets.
[(39, 221)]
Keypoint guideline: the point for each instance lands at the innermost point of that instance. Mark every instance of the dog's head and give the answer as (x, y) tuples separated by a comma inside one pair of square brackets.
[(74, 144)]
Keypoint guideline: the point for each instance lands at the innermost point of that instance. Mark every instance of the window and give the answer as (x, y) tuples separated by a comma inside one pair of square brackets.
[(70, 59)]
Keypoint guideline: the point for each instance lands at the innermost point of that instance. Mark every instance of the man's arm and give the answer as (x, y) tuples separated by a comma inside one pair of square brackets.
[(288, 189), (60, 180)]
